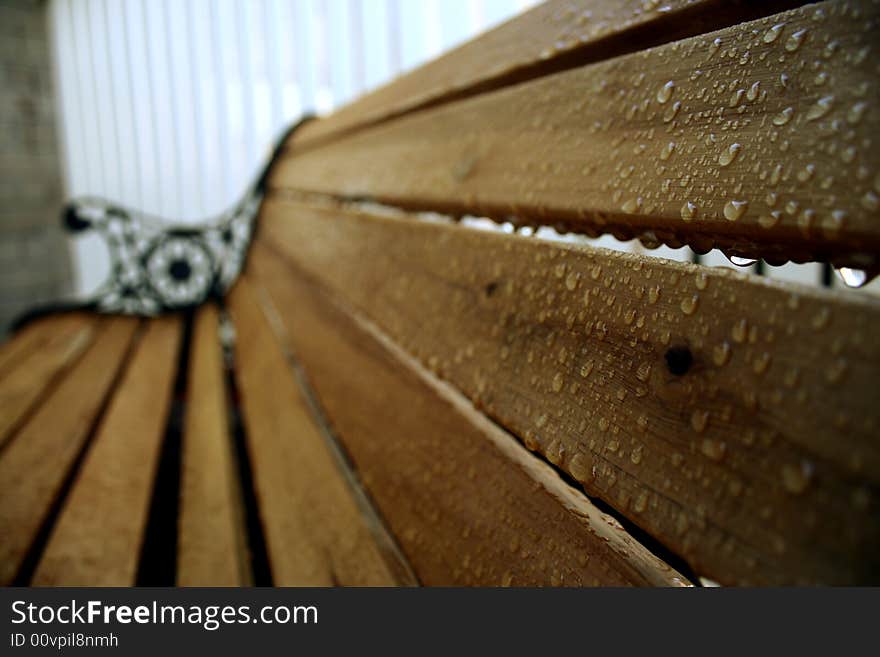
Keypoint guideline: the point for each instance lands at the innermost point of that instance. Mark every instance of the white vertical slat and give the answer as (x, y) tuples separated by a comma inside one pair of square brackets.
[(338, 50), (69, 114), (357, 50), (456, 22), (278, 56), (396, 40), (158, 67), (128, 154), (195, 114), (305, 54), (182, 92), (248, 92), (412, 34), (376, 41), (104, 100), (145, 145), (84, 81), (324, 97), (219, 67)]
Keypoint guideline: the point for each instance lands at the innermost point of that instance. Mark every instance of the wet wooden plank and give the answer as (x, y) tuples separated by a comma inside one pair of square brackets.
[(315, 533), (468, 504), (756, 139), (54, 348), (734, 418), (551, 37), (34, 465), (97, 538), (211, 547)]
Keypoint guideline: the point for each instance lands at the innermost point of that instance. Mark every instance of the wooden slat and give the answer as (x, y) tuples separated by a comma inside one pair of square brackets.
[(761, 464), (315, 533), (23, 342), (25, 384), (211, 547), (771, 120), (469, 504), (98, 536), (34, 465), (553, 36)]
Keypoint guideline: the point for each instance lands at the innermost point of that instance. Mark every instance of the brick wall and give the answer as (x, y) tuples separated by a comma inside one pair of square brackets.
[(34, 258)]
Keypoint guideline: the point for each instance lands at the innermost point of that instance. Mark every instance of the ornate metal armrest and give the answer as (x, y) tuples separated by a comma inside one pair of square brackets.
[(158, 265)]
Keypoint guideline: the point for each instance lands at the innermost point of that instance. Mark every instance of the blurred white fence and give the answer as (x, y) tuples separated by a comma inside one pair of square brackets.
[(169, 105)]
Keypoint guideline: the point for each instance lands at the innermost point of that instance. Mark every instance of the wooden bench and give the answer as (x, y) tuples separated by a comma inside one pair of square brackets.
[(390, 397)]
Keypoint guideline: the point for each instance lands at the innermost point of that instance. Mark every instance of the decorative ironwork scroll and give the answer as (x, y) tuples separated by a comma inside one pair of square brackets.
[(159, 266)]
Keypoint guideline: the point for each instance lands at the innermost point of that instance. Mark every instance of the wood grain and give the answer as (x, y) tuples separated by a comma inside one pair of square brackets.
[(23, 341), (469, 504), (211, 547), (97, 538), (315, 533), (551, 37), (34, 465), (733, 418), (756, 139), (55, 348)]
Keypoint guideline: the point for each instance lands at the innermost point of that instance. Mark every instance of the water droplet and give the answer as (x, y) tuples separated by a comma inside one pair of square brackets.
[(852, 277), (734, 209), (795, 40), (833, 222), (581, 468), (870, 201), (820, 108), (806, 173), (856, 111), (671, 112), (729, 155), (633, 205), (784, 116), (741, 261), (721, 354), (571, 281), (754, 90), (737, 96), (586, 368), (688, 211), (689, 304), (796, 477), (653, 295), (636, 455), (769, 220), (740, 331), (773, 33), (558, 381), (667, 151), (665, 92), (713, 449), (641, 502), (699, 420), (761, 363)]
